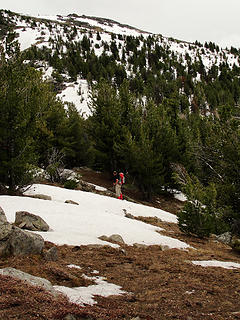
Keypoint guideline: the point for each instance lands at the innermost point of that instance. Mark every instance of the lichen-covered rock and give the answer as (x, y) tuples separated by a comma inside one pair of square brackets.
[(30, 221), (17, 242), (24, 243)]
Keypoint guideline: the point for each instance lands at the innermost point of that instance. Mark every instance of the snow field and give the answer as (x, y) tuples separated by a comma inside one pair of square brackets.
[(95, 216)]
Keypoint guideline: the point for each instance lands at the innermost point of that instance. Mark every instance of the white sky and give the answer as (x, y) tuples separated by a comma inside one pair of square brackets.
[(190, 20)]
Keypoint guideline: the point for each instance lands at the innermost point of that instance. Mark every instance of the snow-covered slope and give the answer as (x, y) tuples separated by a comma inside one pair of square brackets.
[(95, 216)]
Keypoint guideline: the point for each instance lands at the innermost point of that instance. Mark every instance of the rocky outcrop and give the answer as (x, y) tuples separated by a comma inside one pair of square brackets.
[(30, 221), (17, 242), (32, 280)]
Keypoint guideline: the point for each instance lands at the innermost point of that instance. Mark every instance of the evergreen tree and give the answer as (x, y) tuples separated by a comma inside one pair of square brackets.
[(105, 124), (24, 98)]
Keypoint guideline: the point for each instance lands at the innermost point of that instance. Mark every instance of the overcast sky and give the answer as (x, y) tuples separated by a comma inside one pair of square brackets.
[(190, 20)]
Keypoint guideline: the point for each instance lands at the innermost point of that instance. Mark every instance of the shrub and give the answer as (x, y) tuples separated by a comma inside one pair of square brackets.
[(194, 219), (201, 216), (70, 184)]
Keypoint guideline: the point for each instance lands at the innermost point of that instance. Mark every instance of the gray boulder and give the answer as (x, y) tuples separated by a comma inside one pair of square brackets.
[(32, 280), (29, 221), (17, 242), (24, 243)]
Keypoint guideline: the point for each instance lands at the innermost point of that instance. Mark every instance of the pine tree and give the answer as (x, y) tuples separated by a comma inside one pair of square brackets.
[(24, 98), (105, 124)]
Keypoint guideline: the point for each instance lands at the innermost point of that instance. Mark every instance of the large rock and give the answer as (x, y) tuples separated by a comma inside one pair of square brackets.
[(25, 243), (29, 221), (17, 242), (35, 281)]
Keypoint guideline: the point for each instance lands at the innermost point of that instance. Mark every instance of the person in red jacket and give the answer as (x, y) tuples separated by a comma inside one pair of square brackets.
[(117, 182)]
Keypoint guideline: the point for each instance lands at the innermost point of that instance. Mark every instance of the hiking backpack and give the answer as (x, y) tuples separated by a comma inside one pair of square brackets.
[(121, 178)]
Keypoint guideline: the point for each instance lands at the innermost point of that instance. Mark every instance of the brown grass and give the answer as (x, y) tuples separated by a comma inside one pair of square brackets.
[(160, 284)]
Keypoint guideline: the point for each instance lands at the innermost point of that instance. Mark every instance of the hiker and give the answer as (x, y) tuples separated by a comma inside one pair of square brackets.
[(117, 182)]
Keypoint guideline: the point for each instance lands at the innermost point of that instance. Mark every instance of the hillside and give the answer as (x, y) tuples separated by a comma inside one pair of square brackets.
[(75, 51), (157, 282)]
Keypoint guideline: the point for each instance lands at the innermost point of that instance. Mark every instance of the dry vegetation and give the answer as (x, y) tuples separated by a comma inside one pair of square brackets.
[(161, 285)]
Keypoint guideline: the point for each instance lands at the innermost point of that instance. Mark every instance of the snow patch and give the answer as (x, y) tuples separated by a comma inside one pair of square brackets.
[(84, 295), (215, 263)]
